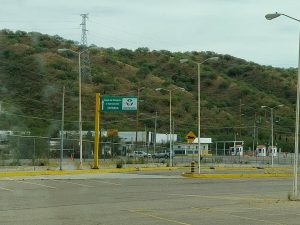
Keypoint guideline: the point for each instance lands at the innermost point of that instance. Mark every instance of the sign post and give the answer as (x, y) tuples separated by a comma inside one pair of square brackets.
[(97, 125), (110, 104)]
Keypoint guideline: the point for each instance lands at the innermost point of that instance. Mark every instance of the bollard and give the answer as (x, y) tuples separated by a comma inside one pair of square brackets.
[(193, 167)]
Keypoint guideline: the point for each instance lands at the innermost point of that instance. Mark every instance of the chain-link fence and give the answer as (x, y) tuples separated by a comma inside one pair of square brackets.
[(36, 151)]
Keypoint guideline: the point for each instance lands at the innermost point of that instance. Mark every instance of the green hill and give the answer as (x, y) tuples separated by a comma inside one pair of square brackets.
[(32, 74)]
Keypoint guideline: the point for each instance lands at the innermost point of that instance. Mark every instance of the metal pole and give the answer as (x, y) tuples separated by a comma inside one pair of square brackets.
[(173, 131), (62, 129), (154, 139), (295, 183), (80, 117), (199, 150), (170, 91), (34, 154), (137, 118), (96, 136), (254, 135), (272, 156)]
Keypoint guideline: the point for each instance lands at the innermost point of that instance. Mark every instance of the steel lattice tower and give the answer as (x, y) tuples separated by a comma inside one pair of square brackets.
[(85, 60)]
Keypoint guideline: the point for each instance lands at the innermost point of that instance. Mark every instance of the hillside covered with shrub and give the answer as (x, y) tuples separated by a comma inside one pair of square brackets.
[(33, 73)]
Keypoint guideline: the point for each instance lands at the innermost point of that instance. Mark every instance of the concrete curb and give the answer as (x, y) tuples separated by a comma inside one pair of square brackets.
[(240, 175), (89, 171)]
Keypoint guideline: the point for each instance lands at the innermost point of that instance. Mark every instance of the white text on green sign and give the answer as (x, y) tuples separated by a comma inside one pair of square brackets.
[(118, 103)]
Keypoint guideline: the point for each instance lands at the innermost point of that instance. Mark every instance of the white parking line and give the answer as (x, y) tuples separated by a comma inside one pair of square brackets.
[(6, 189), (105, 182), (148, 214), (26, 182), (69, 182)]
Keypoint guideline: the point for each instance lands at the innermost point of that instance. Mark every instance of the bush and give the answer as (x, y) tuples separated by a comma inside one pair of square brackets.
[(224, 84)]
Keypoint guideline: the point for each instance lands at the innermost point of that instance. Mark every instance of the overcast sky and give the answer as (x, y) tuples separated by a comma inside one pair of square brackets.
[(235, 27)]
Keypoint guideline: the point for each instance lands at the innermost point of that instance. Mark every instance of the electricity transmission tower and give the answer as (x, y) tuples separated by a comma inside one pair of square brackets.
[(85, 60)]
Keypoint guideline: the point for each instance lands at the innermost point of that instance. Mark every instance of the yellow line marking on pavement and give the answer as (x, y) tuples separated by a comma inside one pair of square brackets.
[(6, 189), (225, 197), (158, 217), (26, 182), (85, 171)]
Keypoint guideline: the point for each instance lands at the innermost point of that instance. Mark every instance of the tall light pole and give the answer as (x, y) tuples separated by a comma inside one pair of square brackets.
[(170, 120), (155, 125), (199, 102), (295, 183), (79, 104), (272, 129), (139, 89)]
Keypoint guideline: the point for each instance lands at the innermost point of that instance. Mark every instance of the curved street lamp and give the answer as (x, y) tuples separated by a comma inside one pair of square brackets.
[(199, 100), (295, 182)]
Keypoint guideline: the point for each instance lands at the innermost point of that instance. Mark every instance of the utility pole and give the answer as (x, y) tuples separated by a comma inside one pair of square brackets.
[(62, 129), (137, 116), (240, 133), (254, 134), (154, 139), (85, 60), (173, 130)]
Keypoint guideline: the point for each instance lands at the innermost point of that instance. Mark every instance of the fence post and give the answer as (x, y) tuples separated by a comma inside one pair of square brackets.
[(33, 157)]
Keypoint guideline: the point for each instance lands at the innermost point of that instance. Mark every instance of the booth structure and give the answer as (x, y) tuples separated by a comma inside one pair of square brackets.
[(261, 150), (236, 150), (272, 151)]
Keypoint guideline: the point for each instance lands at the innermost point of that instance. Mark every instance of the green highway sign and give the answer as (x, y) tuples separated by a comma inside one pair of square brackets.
[(118, 103)]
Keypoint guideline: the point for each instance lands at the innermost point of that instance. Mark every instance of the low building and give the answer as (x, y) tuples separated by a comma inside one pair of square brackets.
[(145, 137), (192, 148)]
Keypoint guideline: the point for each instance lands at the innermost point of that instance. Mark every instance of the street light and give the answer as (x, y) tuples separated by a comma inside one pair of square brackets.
[(139, 89), (295, 183), (199, 101), (79, 81), (170, 100), (272, 129)]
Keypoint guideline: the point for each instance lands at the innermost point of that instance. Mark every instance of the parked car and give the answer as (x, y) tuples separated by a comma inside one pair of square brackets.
[(162, 154), (139, 154)]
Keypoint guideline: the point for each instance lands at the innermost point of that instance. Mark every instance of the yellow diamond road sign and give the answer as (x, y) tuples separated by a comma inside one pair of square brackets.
[(190, 137)]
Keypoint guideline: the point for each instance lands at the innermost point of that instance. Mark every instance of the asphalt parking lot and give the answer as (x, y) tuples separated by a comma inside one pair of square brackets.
[(145, 197)]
